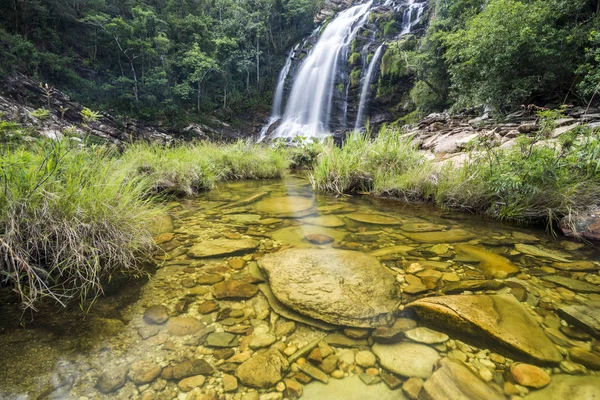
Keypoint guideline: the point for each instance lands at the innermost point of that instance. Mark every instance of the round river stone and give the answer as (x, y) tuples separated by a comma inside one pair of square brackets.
[(336, 286)]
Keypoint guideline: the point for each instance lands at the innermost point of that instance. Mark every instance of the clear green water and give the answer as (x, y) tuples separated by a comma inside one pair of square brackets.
[(62, 354)]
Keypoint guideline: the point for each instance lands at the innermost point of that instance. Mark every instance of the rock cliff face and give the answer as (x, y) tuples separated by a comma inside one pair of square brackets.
[(330, 7)]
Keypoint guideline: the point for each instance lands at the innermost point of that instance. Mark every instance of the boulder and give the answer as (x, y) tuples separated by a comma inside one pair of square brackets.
[(222, 247), (336, 286), (498, 320), (234, 289), (573, 284), (586, 317), (263, 370), (453, 380), (586, 226)]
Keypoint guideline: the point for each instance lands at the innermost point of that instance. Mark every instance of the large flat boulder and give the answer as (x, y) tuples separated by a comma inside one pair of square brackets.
[(336, 286), (498, 321), (491, 264), (289, 206), (222, 247)]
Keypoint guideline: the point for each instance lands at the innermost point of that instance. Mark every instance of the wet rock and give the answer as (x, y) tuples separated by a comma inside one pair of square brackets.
[(223, 354), (221, 339), (237, 263), (340, 340), (249, 200), (529, 375), (426, 336), (365, 359), (112, 379), (222, 247), (263, 370), (453, 380), (328, 221), (500, 320), (407, 358), (450, 236), (234, 289), (586, 358), (230, 383), (189, 368), (472, 286), (293, 389), (314, 373), (296, 235), (565, 387), (288, 206), (182, 326), (163, 238), (391, 380), (374, 219), (576, 266), (402, 249), (575, 333), (319, 239), (586, 317), (187, 384), (392, 334), (161, 223), (542, 253), (158, 315), (143, 372), (329, 364), (209, 279), (492, 265), (285, 328), (148, 331), (308, 281), (422, 227), (262, 340), (357, 333), (199, 291), (412, 387), (573, 284), (208, 307), (572, 368), (351, 388)]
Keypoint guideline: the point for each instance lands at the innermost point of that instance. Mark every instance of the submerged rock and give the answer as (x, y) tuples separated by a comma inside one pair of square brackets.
[(586, 317), (336, 286), (263, 370), (453, 380), (422, 227), (158, 315), (374, 219), (573, 284), (113, 378), (498, 320), (288, 206), (297, 236), (492, 264), (222, 247), (450, 236), (472, 285), (234, 289), (182, 326), (328, 221), (540, 252), (407, 358)]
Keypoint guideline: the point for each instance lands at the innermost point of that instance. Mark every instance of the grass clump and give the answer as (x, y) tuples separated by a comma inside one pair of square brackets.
[(189, 169), (69, 218)]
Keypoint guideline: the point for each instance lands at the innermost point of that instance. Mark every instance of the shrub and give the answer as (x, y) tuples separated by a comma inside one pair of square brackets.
[(354, 59), (41, 113)]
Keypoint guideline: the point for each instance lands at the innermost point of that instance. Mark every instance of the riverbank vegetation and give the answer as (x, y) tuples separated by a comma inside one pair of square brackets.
[(73, 215)]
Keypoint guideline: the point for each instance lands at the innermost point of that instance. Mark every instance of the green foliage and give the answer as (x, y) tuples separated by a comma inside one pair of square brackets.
[(424, 98), (390, 28), (590, 69), (354, 59), (549, 120), (41, 113), (155, 59), (355, 76), (89, 116), (69, 218)]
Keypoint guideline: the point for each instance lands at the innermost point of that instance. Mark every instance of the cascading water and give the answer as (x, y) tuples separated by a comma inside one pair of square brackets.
[(309, 106), (278, 98), (366, 88)]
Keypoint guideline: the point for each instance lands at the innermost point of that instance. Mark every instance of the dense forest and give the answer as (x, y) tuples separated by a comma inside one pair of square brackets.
[(154, 59), (175, 60)]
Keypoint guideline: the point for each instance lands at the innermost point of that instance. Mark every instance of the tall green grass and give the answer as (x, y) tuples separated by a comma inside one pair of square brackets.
[(534, 180), (69, 218), (192, 168)]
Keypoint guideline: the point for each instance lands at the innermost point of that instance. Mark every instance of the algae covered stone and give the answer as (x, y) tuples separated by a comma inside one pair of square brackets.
[(336, 286)]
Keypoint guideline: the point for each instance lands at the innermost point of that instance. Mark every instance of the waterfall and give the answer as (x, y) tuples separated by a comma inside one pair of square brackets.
[(407, 18), (278, 98), (309, 105), (366, 87)]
